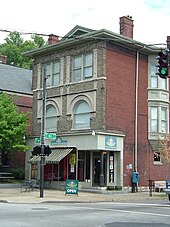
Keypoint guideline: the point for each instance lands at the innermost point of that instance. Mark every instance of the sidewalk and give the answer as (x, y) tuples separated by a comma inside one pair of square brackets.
[(14, 195)]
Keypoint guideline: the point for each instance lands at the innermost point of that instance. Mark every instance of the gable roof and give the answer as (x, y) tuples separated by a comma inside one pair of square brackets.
[(16, 80), (80, 35), (76, 31)]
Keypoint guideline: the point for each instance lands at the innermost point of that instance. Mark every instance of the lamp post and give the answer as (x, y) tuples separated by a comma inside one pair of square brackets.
[(42, 156)]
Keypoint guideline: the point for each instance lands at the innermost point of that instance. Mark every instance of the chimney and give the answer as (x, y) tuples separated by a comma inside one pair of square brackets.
[(52, 39), (3, 59), (126, 26), (168, 41)]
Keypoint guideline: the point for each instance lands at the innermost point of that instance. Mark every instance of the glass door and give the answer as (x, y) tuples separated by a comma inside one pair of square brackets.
[(96, 168)]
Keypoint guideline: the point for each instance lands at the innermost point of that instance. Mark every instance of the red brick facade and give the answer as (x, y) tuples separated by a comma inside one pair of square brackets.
[(121, 66)]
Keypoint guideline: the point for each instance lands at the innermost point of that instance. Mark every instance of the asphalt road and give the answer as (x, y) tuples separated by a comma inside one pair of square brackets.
[(105, 214)]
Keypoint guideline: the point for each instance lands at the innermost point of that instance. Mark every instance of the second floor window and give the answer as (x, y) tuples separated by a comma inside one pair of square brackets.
[(159, 119), (82, 67), (163, 119), (53, 74), (154, 119)]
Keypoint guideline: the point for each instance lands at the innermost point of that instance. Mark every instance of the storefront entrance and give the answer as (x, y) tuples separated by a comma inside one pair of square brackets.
[(96, 174)]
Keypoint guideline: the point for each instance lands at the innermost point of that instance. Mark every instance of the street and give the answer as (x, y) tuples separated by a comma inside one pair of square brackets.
[(153, 213)]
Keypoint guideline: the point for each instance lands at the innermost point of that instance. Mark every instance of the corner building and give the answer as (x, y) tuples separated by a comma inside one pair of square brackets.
[(106, 106)]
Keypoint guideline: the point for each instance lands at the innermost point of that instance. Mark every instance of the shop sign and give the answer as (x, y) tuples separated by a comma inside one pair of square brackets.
[(72, 159), (59, 141), (71, 187), (111, 142)]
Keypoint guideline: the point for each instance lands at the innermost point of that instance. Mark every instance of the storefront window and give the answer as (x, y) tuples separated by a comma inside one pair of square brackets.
[(34, 171), (56, 172), (84, 166), (66, 168)]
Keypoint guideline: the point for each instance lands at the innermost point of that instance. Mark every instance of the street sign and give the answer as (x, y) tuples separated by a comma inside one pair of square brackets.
[(50, 136), (46, 136), (37, 140)]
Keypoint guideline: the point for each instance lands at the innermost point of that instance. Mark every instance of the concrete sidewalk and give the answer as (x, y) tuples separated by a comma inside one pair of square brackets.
[(14, 195)]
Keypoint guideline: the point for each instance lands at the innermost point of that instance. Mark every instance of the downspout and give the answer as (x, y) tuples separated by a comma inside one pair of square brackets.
[(136, 111), (136, 114)]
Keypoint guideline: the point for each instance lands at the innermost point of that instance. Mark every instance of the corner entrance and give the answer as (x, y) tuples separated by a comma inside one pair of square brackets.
[(97, 168)]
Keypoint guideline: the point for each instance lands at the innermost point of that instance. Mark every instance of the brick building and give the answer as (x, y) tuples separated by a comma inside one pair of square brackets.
[(104, 99), (17, 81)]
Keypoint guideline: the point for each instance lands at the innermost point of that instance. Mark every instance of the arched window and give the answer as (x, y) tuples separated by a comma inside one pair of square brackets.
[(81, 115), (51, 118)]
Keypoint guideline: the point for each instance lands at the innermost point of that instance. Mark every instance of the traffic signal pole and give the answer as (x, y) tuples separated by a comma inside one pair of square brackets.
[(42, 155)]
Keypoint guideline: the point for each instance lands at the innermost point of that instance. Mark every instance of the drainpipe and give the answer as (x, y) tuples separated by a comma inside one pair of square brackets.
[(136, 113)]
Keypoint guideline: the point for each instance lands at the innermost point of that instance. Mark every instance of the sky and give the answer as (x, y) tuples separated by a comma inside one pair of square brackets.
[(151, 17)]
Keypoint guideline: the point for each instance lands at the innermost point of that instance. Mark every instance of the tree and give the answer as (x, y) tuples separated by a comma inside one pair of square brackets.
[(165, 151), (13, 126), (15, 46)]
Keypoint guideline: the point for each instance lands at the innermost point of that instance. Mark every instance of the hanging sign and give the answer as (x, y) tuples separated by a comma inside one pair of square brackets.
[(72, 159)]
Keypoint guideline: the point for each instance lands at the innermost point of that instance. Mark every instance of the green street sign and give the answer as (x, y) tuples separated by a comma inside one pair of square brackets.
[(50, 136), (37, 140)]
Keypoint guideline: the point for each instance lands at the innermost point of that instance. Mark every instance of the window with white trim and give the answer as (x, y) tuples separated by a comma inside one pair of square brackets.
[(53, 74), (81, 118), (154, 77), (154, 119), (163, 84), (82, 67), (158, 119), (51, 118), (163, 119)]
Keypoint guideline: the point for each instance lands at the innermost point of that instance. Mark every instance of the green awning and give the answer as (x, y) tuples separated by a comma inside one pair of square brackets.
[(56, 156)]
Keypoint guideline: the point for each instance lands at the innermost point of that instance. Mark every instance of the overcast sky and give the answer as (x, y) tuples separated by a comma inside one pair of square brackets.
[(151, 17)]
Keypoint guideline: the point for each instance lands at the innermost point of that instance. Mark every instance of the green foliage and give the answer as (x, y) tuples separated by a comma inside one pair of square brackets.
[(15, 46), (18, 173), (165, 148), (13, 126)]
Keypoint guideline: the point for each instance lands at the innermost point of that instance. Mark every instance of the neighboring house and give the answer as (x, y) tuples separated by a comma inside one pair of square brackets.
[(18, 82), (103, 98)]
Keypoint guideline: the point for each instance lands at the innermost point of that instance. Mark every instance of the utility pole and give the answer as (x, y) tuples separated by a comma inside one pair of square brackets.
[(42, 155)]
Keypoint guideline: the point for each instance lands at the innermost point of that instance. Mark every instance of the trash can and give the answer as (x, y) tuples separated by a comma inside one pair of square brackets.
[(151, 186)]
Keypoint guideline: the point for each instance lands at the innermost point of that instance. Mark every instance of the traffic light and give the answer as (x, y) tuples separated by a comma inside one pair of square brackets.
[(163, 64), (47, 150), (36, 150)]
